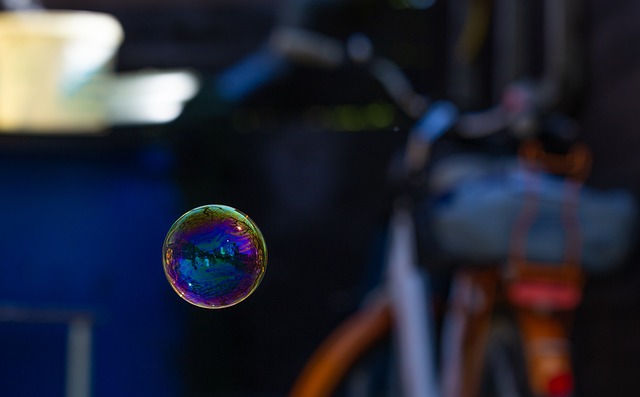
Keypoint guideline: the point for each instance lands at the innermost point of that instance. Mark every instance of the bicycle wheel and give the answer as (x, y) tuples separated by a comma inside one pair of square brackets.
[(374, 375), (337, 358), (504, 370)]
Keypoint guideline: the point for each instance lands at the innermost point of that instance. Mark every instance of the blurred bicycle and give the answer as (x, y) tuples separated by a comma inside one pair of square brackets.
[(520, 228)]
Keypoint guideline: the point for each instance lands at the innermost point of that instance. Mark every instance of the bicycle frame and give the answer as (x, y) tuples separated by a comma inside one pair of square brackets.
[(413, 319)]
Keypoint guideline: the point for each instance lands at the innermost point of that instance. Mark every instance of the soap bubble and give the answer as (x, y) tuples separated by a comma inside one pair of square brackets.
[(214, 256)]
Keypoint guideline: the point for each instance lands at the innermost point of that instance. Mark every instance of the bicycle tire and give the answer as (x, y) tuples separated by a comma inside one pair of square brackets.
[(330, 364)]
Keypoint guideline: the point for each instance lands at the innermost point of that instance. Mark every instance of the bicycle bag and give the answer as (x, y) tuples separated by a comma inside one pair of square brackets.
[(481, 199)]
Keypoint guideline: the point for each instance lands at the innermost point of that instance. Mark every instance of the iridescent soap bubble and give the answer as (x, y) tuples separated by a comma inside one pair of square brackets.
[(214, 256)]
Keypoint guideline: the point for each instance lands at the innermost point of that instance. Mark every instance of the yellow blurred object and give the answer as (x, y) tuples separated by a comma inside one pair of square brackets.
[(475, 31), (54, 70)]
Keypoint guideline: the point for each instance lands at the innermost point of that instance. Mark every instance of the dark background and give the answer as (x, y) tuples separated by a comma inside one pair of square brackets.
[(83, 218)]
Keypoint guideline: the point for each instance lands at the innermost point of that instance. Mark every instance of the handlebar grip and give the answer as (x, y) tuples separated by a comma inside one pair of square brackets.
[(440, 118)]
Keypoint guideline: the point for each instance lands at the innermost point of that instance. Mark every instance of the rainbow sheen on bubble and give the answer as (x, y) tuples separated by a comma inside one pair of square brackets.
[(214, 256)]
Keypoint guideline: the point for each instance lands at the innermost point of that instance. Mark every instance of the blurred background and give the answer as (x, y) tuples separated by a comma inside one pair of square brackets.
[(305, 152)]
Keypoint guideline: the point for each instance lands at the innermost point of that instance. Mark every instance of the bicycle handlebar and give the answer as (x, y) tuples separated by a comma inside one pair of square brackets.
[(517, 111), (308, 47), (312, 48)]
